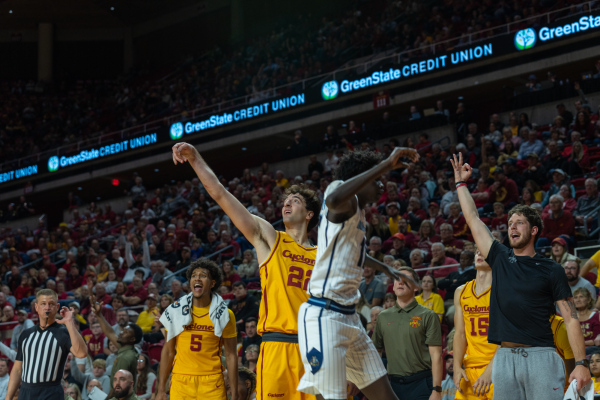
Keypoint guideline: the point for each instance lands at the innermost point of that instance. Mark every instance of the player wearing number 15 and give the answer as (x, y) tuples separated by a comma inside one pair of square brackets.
[(286, 260), (471, 320)]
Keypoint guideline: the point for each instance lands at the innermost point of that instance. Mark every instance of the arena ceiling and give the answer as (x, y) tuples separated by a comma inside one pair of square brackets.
[(26, 14)]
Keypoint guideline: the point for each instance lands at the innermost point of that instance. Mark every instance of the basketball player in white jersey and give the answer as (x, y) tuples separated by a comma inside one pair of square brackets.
[(333, 344)]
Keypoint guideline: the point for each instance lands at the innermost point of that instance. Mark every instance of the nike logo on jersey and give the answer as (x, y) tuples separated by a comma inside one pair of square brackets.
[(389, 323), (555, 388), (464, 298), (285, 241), (219, 385)]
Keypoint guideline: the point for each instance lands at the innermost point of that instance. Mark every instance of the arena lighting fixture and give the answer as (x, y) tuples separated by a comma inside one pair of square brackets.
[(10, 11), (97, 198), (243, 149), (155, 169), (112, 9), (115, 182), (79, 188)]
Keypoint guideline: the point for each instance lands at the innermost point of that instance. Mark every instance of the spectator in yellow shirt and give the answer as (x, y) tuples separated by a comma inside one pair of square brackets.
[(280, 179), (430, 298), (146, 318)]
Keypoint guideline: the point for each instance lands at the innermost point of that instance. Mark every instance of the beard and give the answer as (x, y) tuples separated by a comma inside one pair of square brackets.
[(522, 242), (122, 391), (572, 278)]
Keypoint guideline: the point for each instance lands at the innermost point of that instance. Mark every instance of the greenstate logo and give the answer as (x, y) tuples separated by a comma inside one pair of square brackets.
[(176, 130), (329, 90), (53, 163), (525, 39)]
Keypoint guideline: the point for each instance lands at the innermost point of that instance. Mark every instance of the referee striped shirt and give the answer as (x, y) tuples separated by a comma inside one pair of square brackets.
[(44, 353)]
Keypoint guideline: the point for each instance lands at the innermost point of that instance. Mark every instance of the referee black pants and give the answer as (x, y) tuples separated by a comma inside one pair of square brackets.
[(39, 392), (413, 387)]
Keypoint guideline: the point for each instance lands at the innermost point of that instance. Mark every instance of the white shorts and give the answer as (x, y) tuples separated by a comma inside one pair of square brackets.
[(335, 348)]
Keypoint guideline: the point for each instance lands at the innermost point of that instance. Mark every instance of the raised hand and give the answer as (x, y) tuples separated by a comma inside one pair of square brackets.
[(394, 158), (96, 307), (183, 152), (67, 316), (462, 170)]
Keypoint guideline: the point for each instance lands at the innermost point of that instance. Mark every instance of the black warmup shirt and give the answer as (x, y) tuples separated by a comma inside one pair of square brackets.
[(44, 353), (522, 298)]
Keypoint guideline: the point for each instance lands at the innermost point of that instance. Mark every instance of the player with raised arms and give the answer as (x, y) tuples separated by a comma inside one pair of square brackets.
[(524, 289), (286, 261), (334, 345), (471, 347)]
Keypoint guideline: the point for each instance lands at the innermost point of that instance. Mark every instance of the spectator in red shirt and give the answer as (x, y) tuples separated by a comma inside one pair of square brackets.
[(414, 213), (458, 222), (423, 142), (136, 293), (75, 279), (504, 190), (101, 295), (95, 342), (500, 221), (569, 205), (8, 315), (49, 266), (60, 290), (23, 291), (229, 274), (427, 237), (588, 319), (453, 246), (14, 280), (226, 240), (438, 259), (559, 223), (435, 217)]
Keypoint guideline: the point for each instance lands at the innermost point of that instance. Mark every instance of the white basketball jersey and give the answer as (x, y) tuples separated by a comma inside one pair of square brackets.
[(340, 256)]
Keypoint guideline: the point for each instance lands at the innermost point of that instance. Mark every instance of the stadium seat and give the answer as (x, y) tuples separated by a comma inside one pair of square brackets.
[(154, 351)]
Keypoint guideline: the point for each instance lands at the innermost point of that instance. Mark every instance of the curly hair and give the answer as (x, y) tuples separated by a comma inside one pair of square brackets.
[(213, 269), (530, 214), (355, 163), (244, 374), (312, 202)]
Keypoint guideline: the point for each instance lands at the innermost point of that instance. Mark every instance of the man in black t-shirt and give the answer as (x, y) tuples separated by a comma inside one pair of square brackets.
[(43, 350), (524, 288)]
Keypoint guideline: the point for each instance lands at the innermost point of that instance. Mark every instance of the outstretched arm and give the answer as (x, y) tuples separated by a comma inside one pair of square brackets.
[(341, 202), (106, 328), (569, 313), (258, 231), (481, 233), (390, 272)]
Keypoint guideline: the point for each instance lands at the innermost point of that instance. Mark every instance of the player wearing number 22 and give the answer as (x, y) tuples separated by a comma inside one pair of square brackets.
[(471, 320), (286, 262)]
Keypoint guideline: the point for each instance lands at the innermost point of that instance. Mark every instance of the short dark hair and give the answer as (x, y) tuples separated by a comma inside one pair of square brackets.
[(137, 331), (5, 360), (530, 214), (312, 202), (252, 319), (239, 283), (120, 298), (214, 272), (355, 163)]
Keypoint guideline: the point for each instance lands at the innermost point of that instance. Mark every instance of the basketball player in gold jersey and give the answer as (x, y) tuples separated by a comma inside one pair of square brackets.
[(286, 261), (563, 347), (471, 320)]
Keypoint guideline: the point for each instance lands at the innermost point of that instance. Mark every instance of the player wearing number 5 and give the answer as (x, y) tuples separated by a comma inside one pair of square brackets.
[(286, 262), (197, 369), (471, 321)]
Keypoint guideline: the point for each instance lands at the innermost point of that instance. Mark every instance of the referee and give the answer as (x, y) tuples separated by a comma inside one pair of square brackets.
[(43, 350), (524, 289)]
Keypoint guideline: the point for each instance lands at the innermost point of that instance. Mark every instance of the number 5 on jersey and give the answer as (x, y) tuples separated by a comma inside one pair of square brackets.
[(196, 344), (296, 276)]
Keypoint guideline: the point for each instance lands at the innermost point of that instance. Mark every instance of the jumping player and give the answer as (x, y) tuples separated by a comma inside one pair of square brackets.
[(334, 346), (286, 262), (471, 321), (524, 289)]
